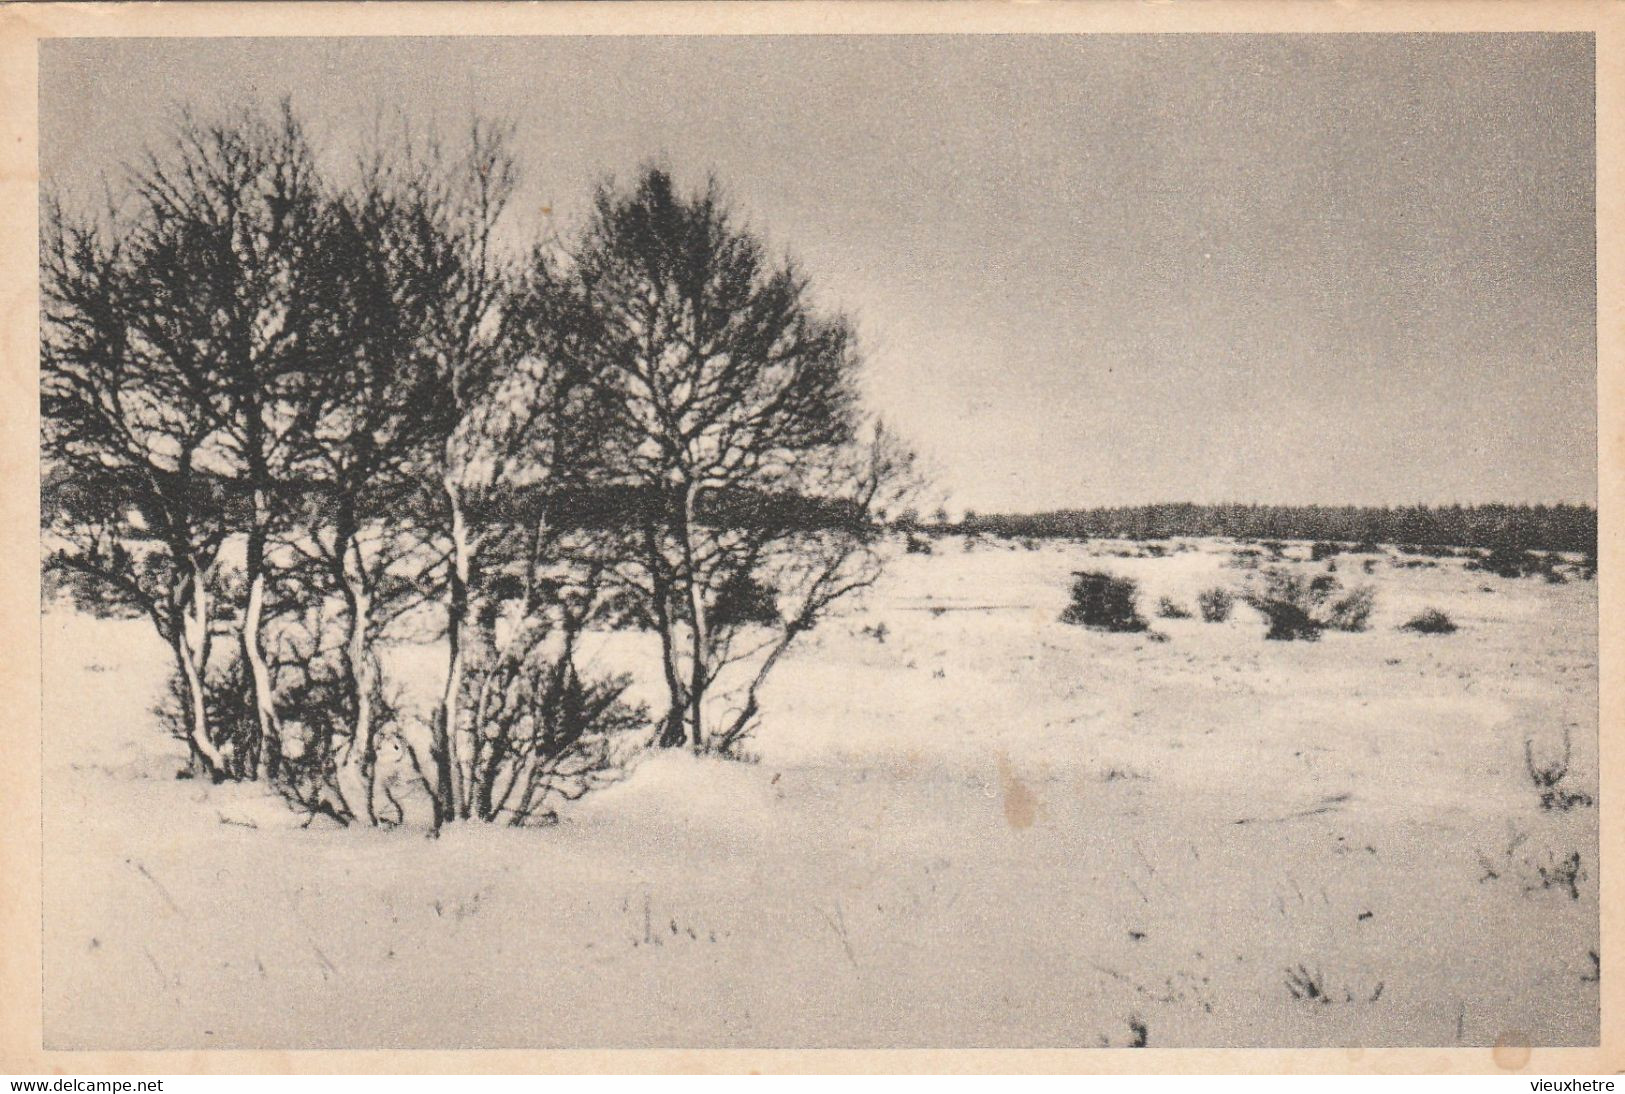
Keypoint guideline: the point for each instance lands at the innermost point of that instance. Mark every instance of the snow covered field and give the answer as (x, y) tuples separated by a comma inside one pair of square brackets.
[(983, 829)]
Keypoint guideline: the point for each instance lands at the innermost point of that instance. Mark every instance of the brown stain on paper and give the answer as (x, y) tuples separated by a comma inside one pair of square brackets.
[(1511, 1051), (1021, 805)]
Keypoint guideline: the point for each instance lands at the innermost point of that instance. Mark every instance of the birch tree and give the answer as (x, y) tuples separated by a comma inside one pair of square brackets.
[(230, 289), (132, 500), (454, 201), (377, 415), (734, 417), (532, 727)]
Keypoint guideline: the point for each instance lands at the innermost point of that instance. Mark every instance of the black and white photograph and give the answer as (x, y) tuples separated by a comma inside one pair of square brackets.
[(818, 540)]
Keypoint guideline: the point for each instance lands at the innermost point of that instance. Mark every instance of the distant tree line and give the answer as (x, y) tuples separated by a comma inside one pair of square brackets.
[(292, 415), (1521, 527)]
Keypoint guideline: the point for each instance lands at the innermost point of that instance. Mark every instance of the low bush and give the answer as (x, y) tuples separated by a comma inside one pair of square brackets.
[(1168, 608), (1299, 609), (1428, 550), (1510, 562), (1352, 612), (543, 733), (1244, 558), (232, 719), (1430, 621), (1547, 778), (1564, 875), (1215, 604), (1288, 621), (312, 781), (1104, 601)]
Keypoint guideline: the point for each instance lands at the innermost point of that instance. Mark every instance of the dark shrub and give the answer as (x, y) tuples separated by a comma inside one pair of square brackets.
[(1548, 777), (917, 545), (1352, 612), (233, 723), (314, 688), (1322, 551), (1215, 604), (1564, 876), (743, 599), (1300, 609), (1288, 621), (1428, 550), (1168, 608), (1245, 558), (1104, 601), (1431, 621), (1509, 562), (544, 734)]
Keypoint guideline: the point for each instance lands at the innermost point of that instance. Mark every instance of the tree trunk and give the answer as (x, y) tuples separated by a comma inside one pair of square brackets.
[(698, 638), (483, 806), (270, 743), (673, 733), (450, 785), (357, 759), (190, 641)]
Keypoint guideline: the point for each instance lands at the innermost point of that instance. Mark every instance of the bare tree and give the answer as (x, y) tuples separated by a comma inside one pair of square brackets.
[(526, 724), (356, 378), (230, 290), (133, 496), (447, 204), (377, 416), (734, 416)]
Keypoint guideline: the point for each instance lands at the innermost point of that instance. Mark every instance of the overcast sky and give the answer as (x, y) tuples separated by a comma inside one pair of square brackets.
[(1088, 270)]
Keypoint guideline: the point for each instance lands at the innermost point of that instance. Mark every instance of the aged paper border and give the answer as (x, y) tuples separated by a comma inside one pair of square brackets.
[(22, 26)]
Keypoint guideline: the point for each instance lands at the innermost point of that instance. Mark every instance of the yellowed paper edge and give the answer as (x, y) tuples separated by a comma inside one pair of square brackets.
[(23, 26)]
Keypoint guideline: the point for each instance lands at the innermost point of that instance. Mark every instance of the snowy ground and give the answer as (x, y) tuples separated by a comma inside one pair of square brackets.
[(988, 830)]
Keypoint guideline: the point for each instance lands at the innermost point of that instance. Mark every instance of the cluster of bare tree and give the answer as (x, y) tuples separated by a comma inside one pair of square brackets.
[(289, 417)]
